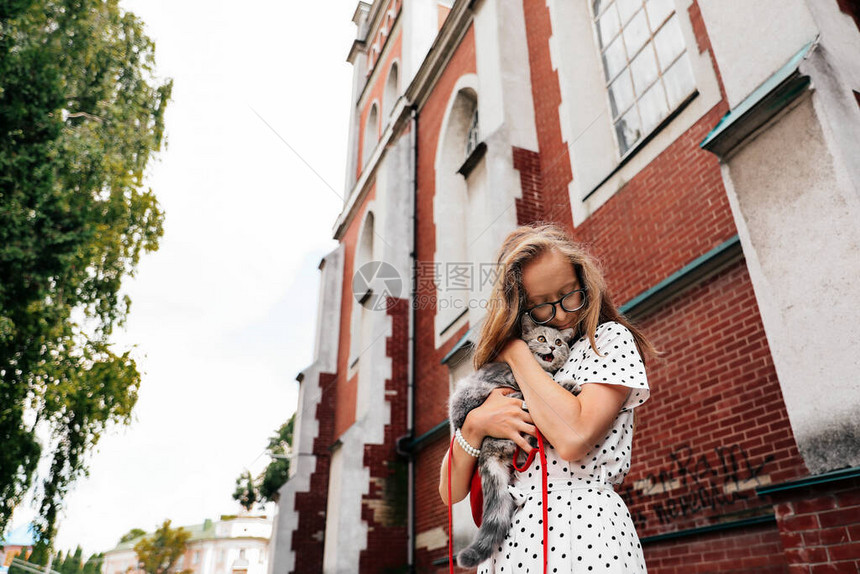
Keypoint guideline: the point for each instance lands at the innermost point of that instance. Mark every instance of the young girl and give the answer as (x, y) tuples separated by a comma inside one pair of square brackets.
[(545, 274)]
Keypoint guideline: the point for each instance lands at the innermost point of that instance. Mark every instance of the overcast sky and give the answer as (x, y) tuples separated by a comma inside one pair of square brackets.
[(223, 314)]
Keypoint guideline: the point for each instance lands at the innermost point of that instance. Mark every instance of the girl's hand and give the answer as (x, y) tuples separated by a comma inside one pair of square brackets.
[(501, 417)]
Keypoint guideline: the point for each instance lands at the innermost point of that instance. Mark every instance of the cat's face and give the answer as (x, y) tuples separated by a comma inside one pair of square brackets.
[(549, 345)]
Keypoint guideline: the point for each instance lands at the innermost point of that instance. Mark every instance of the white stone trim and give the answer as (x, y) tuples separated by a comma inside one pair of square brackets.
[(306, 427), (504, 72)]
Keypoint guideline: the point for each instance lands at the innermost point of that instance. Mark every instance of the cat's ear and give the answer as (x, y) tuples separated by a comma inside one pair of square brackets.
[(527, 324), (567, 334)]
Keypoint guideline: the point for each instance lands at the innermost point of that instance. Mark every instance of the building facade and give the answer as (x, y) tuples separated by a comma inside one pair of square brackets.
[(706, 152), (230, 545), (17, 543)]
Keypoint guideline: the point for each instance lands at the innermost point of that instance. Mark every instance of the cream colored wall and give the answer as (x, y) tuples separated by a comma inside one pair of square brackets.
[(797, 221), (752, 40)]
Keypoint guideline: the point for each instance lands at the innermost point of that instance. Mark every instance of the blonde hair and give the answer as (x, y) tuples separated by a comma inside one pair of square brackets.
[(508, 299)]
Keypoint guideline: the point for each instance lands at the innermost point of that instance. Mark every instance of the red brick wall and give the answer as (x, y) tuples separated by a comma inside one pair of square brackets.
[(431, 382), (431, 378), (754, 549), (308, 538), (554, 153), (530, 207), (384, 507), (673, 211), (704, 42), (820, 528), (851, 8), (430, 511), (715, 426)]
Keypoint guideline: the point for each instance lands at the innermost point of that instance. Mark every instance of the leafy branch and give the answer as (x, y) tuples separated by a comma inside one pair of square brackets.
[(74, 221), (265, 487)]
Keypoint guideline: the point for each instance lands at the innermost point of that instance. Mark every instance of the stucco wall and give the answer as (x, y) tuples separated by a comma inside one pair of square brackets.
[(798, 226)]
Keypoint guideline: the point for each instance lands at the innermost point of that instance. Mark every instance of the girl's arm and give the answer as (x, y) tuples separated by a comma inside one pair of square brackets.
[(499, 416), (462, 466), (572, 424)]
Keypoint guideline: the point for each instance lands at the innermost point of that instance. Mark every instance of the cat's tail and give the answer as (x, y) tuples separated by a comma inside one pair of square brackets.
[(499, 507)]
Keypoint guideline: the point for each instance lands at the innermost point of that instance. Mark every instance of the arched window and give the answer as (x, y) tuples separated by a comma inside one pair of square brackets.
[(452, 208), (371, 134), (472, 134), (392, 91), (361, 331)]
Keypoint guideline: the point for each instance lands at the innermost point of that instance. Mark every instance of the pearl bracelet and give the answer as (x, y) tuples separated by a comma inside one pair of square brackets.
[(465, 444)]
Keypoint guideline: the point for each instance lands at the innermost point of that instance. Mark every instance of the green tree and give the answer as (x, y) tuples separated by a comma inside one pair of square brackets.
[(39, 555), (94, 564), (265, 487), (81, 114), (73, 564), (246, 490), (131, 535), (159, 552)]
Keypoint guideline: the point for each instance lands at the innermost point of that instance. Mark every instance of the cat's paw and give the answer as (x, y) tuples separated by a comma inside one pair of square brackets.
[(572, 387)]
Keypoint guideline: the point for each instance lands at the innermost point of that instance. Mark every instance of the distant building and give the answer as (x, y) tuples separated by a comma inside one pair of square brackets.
[(707, 152), (231, 545), (17, 543)]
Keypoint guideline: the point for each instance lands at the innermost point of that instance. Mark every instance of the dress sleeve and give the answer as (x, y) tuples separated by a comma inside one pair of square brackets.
[(621, 363)]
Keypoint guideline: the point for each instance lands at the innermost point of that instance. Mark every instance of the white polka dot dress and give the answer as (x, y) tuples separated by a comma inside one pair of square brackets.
[(589, 526)]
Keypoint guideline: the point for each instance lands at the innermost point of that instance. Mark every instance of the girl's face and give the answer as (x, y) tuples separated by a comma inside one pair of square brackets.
[(547, 278)]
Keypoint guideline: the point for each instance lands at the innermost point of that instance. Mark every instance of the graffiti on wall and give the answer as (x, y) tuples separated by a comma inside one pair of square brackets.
[(695, 483)]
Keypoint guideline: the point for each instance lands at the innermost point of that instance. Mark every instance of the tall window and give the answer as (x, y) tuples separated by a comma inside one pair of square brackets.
[(371, 134), (392, 90), (645, 64), (472, 134)]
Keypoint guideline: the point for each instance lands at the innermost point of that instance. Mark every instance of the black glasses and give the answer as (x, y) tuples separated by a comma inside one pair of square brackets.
[(545, 312)]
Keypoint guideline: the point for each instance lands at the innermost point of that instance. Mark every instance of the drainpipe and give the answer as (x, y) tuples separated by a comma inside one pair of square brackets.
[(410, 423), (403, 443)]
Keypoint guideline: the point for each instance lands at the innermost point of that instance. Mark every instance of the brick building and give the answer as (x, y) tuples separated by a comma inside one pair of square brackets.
[(706, 151)]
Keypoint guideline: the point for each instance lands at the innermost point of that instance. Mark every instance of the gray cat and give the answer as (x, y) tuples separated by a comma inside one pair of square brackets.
[(495, 462)]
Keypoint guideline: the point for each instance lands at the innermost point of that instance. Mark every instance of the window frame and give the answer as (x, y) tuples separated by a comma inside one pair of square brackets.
[(650, 43)]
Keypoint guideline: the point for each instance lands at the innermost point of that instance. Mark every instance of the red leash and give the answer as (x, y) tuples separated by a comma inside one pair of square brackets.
[(450, 522), (526, 465), (543, 476)]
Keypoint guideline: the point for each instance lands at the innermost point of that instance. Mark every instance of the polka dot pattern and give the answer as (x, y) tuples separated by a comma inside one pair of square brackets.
[(590, 527), (620, 364)]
